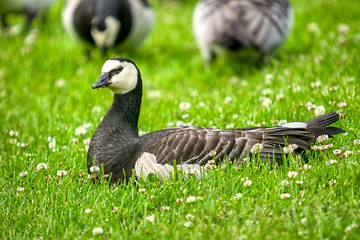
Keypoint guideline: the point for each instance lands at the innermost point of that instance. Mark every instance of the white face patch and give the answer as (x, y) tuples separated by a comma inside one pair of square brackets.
[(125, 80), (110, 65)]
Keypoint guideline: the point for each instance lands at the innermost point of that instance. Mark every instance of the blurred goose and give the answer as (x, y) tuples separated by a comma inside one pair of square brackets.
[(108, 23), (30, 8), (257, 26), (117, 146)]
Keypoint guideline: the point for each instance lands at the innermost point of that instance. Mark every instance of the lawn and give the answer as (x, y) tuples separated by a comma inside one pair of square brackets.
[(49, 112)]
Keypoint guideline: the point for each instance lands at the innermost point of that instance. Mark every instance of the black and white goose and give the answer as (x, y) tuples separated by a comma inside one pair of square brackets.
[(108, 23), (117, 146), (240, 28)]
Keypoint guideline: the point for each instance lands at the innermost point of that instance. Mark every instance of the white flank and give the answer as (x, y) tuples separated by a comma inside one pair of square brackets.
[(147, 164), (67, 17), (295, 125), (143, 19)]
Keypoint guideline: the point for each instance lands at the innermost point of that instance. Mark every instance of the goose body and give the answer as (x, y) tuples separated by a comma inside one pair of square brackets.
[(241, 28), (117, 147), (108, 23)]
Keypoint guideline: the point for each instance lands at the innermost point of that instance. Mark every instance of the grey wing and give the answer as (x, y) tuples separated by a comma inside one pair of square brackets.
[(241, 24), (196, 145)]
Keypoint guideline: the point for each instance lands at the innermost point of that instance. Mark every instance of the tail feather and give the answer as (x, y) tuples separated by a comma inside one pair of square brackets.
[(323, 121)]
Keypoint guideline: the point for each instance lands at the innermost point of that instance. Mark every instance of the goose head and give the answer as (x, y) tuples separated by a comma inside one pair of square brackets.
[(119, 75)]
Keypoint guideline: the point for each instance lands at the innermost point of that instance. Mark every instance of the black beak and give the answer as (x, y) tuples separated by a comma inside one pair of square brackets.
[(103, 81)]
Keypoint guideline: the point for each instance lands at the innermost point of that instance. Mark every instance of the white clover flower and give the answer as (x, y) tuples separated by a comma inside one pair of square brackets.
[(13, 133), (357, 142), (60, 83), (41, 166), (256, 148), (317, 83), (151, 218), (303, 221), (265, 102), (293, 146), (212, 153), (322, 138), (211, 162), (244, 179), (332, 161), (337, 151), (94, 169), (13, 141), (115, 209), (190, 199), (142, 190), (20, 189), (179, 200), (187, 224), (227, 99), (184, 106), (237, 196), (314, 28), (332, 182), (343, 28), (279, 96), (164, 208), (86, 141), (285, 195), (52, 144), (299, 182), (268, 78), (285, 183), (61, 173), (98, 231), (190, 217), (320, 110), (307, 167), (199, 198), (266, 91), (80, 131), (88, 211), (292, 174), (247, 183), (342, 104), (282, 122), (23, 145), (287, 150), (23, 174), (333, 88), (348, 153), (191, 172)]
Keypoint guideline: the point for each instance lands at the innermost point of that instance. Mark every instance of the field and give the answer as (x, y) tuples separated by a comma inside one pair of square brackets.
[(46, 99)]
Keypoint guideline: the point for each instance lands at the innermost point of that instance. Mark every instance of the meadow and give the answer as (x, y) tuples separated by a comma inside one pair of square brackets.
[(49, 112)]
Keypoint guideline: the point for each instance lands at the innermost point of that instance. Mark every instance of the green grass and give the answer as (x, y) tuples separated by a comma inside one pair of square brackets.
[(34, 106)]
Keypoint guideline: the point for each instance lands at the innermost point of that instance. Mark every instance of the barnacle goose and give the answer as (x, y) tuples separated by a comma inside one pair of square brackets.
[(240, 28), (117, 147), (30, 8), (108, 23)]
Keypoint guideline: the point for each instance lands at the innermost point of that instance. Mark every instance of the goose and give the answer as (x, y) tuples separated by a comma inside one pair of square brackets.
[(243, 29), (117, 148), (30, 8), (108, 23)]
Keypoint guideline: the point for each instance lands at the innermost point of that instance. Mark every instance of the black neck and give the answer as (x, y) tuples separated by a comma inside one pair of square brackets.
[(125, 111)]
